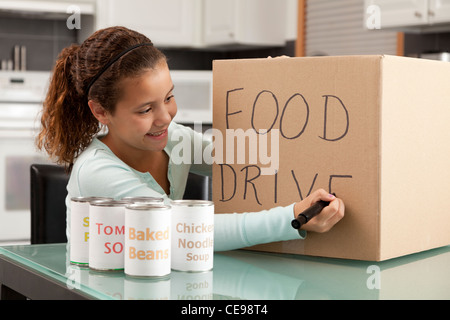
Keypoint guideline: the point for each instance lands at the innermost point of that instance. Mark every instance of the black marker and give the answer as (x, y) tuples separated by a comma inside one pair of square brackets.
[(309, 213)]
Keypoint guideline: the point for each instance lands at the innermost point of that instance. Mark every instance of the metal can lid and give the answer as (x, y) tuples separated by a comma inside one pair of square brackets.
[(110, 203), (192, 203), (89, 199), (143, 199), (147, 206)]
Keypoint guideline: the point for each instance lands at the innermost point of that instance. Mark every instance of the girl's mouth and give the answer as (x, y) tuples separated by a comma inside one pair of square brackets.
[(157, 134)]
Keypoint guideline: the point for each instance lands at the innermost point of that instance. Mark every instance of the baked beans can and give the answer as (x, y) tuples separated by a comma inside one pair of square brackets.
[(192, 235), (147, 240), (144, 200), (106, 235), (79, 229)]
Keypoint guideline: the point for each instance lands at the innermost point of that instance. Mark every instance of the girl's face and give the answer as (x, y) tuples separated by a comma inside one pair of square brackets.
[(144, 111)]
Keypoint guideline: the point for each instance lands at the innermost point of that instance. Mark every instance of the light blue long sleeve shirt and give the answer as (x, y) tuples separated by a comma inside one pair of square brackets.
[(99, 172)]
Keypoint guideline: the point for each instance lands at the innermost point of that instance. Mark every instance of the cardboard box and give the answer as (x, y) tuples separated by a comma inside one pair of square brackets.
[(373, 129)]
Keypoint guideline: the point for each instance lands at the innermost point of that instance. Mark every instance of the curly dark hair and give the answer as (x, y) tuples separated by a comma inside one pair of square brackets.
[(68, 125)]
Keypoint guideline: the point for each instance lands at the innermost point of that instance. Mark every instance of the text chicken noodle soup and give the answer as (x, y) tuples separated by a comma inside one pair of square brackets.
[(79, 229), (192, 235), (147, 240)]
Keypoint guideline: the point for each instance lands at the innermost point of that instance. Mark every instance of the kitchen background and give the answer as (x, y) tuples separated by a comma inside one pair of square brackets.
[(192, 33)]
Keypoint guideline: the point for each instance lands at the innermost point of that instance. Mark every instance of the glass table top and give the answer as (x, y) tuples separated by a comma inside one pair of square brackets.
[(253, 275)]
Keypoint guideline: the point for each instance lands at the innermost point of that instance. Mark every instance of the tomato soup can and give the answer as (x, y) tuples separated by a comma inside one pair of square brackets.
[(79, 229), (107, 235), (192, 235), (147, 240)]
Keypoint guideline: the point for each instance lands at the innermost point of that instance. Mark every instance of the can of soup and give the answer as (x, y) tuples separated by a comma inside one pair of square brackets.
[(144, 199), (79, 229), (192, 235), (147, 240), (107, 234)]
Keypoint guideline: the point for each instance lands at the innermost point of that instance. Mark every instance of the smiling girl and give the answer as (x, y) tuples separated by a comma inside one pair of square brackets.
[(117, 79)]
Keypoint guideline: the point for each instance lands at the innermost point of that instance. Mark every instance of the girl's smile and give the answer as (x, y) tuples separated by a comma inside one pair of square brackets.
[(157, 135)]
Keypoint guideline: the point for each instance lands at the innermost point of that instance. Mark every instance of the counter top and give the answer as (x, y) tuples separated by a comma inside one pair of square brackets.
[(243, 274)]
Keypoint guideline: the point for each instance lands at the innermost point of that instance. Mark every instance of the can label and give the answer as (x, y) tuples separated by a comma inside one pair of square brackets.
[(79, 229), (147, 240), (107, 234), (193, 235)]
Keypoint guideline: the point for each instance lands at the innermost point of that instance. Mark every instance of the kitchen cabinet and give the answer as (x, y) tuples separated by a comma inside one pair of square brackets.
[(53, 7), (165, 22), (439, 11), (252, 22), (82, 11), (199, 23), (220, 22), (398, 14)]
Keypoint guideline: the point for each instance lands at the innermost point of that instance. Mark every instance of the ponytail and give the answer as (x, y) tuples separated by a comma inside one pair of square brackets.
[(89, 72), (67, 122)]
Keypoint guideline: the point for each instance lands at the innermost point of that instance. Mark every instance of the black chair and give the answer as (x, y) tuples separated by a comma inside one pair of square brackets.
[(48, 207), (198, 187), (48, 195)]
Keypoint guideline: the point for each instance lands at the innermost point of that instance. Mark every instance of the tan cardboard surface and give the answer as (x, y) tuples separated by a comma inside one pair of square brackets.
[(334, 133), (415, 149)]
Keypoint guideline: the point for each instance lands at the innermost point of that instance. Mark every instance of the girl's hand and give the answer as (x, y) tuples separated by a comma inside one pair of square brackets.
[(326, 219)]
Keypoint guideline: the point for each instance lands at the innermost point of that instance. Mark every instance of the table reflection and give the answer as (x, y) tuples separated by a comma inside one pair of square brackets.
[(251, 275), (259, 276)]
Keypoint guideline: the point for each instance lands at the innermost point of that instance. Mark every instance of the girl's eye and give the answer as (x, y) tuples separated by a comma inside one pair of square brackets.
[(170, 98), (145, 111)]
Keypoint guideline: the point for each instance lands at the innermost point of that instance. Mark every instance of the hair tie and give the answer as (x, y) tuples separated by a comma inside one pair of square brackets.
[(112, 61)]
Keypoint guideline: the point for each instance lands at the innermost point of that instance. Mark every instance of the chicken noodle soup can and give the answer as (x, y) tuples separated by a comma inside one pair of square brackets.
[(192, 235), (107, 235), (79, 229), (147, 240)]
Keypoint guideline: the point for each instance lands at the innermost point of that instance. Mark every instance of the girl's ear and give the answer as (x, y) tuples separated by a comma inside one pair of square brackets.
[(99, 112)]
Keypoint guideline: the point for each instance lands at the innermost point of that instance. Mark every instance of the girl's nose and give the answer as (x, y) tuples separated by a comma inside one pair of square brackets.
[(163, 116)]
